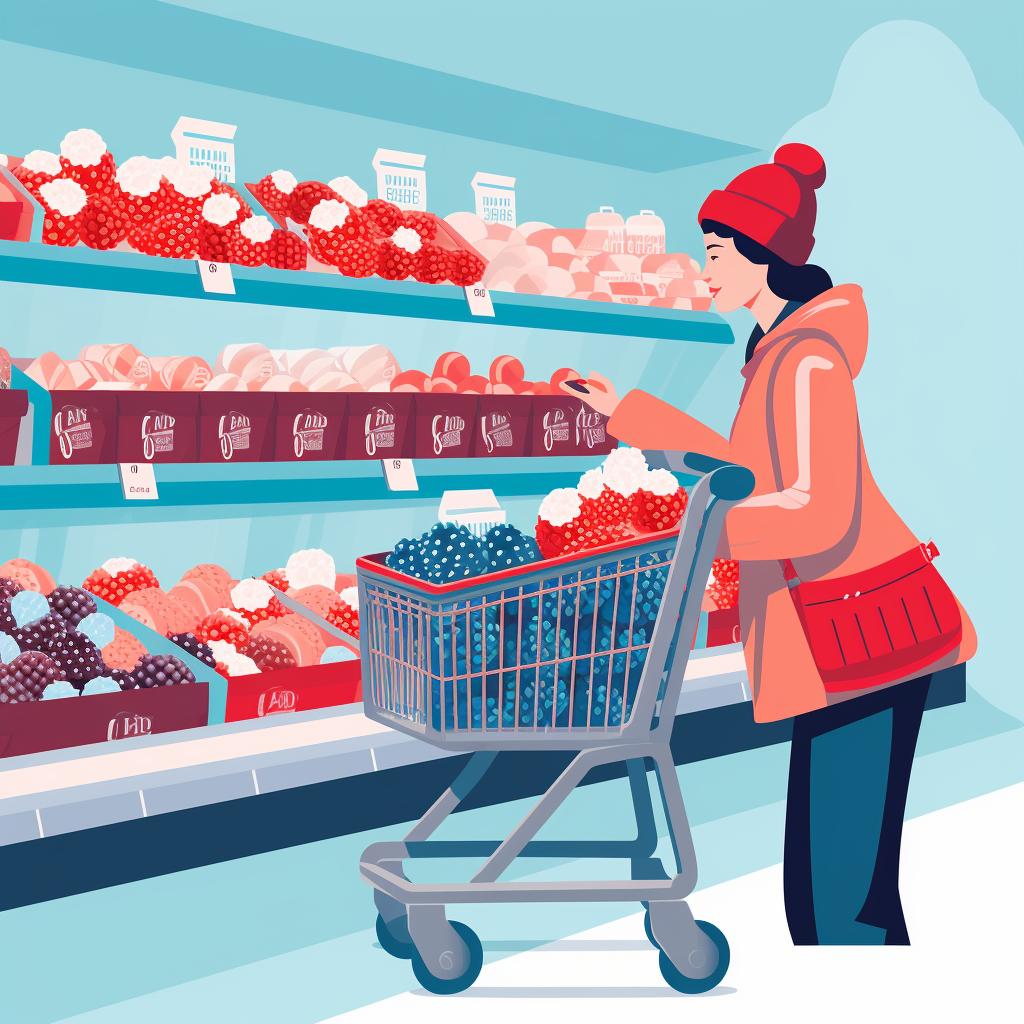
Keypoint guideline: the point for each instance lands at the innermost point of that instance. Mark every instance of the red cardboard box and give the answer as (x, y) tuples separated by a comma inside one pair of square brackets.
[(443, 426), (16, 206), (378, 426), (13, 406), (295, 689), (502, 425), (236, 426), (309, 426), (73, 721), (84, 428), (157, 426), (724, 627), (562, 425)]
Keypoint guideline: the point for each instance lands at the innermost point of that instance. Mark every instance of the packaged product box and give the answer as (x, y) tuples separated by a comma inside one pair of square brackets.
[(295, 689), (724, 627), (606, 227), (562, 425), (16, 206), (645, 233), (157, 426), (401, 178), (13, 407), (235, 426), (443, 426), (309, 426), (84, 427), (502, 425), (495, 198), (377, 426)]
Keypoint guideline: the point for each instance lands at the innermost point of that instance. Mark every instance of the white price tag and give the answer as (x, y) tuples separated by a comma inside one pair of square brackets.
[(138, 481), (216, 277), (479, 299), (400, 475)]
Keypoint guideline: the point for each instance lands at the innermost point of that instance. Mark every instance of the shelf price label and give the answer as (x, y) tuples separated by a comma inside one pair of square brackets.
[(400, 475), (138, 481), (216, 277), (479, 299)]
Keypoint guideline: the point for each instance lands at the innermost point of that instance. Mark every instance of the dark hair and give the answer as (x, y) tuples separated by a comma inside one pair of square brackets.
[(785, 280)]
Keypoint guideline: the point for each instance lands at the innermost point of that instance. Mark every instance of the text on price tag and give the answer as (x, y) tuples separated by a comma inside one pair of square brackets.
[(138, 481), (400, 475), (216, 277), (479, 299)]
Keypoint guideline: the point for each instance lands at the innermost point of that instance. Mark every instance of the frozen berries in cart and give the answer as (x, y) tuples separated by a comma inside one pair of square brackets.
[(448, 553)]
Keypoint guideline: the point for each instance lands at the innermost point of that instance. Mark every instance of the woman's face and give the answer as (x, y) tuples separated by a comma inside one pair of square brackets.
[(734, 281)]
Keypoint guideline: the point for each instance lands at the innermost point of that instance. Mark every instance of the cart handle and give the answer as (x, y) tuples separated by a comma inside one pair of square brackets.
[(727, 480)]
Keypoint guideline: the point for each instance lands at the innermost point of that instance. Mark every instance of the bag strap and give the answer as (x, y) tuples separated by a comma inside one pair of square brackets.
[(789, 572)]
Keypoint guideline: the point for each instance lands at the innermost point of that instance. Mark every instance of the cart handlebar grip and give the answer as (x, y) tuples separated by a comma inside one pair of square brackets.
[(727, 480)]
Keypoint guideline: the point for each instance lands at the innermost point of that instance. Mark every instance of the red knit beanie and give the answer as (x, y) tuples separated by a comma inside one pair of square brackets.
[(774, 203)]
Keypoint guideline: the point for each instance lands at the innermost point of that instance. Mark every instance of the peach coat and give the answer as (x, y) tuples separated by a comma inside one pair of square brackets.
[(820, 518)]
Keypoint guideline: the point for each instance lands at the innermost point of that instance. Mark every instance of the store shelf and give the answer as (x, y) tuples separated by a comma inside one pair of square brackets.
[(81, 267)]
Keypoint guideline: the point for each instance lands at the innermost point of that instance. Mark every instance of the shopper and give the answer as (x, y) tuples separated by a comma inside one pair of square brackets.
[(851, 658)]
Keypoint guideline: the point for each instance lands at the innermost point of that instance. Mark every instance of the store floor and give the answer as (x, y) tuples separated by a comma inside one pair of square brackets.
[(285, 938)]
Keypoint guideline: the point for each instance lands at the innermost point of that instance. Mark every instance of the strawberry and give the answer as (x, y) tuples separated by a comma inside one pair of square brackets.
[(221, 188), (274, 610), (250, 242), (59, 230), (726, 570), (394, 262), (424, 224), (464, 267), (274, 191), (333, 225), (104, 223), (344, 616), (724, 595), (220, 626), (385, 215), (63, 201), (431, 264), (169, 236), (357, 258), (216, 243), (653, 511), (35, 176), (114, 588), (613, 508), (305, 197), (286, 251), (97, 180), (277, 579)]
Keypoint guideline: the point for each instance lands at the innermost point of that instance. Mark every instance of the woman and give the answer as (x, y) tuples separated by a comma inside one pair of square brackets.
[(816, 514)]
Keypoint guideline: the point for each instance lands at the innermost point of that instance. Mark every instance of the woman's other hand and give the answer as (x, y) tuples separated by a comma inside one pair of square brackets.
[(601, 395)]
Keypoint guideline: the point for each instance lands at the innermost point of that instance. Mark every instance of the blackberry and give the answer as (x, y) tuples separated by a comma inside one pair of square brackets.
[(77, 657), (38, 635), (9, 587), (269, 654), (506, 546), (191, 644), (8, 624), (159, 670), (26, 677), (121, 677), (72, 604)]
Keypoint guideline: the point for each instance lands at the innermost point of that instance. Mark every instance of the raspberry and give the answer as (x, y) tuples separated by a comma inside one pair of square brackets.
[(357, 258), (96, 179), (269, 654), (159, 670), (613, 508), (77, 657), (169, 236), (59, 230), (464, 267), (26, 677), (277, 579), (394, 262), (726, 570), (345, 617), (38, 635), (654, 512), (305, 196), (103, 223), (191, 644), (221, 188), (72, 604), (424, 224), (431, 264), (385, 215), (286, 251), (218, 626), (274, 610), (247, 253), (216, 243), (32, 180), (274, 201), (114, 589), (724, 595)]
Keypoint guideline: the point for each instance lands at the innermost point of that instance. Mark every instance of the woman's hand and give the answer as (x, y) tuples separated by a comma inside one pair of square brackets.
[(601, 396)]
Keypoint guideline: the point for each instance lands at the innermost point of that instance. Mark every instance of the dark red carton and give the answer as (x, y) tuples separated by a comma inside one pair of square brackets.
[(293, 689), (157, 426), (83, 427), (378, 426), (236, 426), (502, 425), (563, 425), (13, 406), (99, 718), (724, 627), (443, 426), (309, 425)]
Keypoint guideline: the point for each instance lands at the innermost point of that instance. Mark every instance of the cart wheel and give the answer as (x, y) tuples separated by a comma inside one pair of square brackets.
[(694, 986), (394, 937), (472, 957), (648, 929)]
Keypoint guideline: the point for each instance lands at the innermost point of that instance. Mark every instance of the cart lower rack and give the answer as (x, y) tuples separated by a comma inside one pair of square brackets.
[(574, 654)]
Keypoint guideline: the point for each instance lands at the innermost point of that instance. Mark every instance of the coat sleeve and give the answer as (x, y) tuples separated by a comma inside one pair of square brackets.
[(643, 421), (815, 416)]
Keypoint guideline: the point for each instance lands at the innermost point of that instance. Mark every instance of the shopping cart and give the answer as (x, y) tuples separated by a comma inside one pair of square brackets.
[(585, 654)]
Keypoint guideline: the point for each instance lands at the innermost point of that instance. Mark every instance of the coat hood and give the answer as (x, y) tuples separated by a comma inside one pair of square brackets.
[(839, 312)]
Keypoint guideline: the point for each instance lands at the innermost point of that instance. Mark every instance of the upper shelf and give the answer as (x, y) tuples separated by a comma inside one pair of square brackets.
[(80, 267)]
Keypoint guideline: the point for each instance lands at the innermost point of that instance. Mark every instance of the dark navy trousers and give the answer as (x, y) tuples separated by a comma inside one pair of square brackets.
[(848, 776)]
